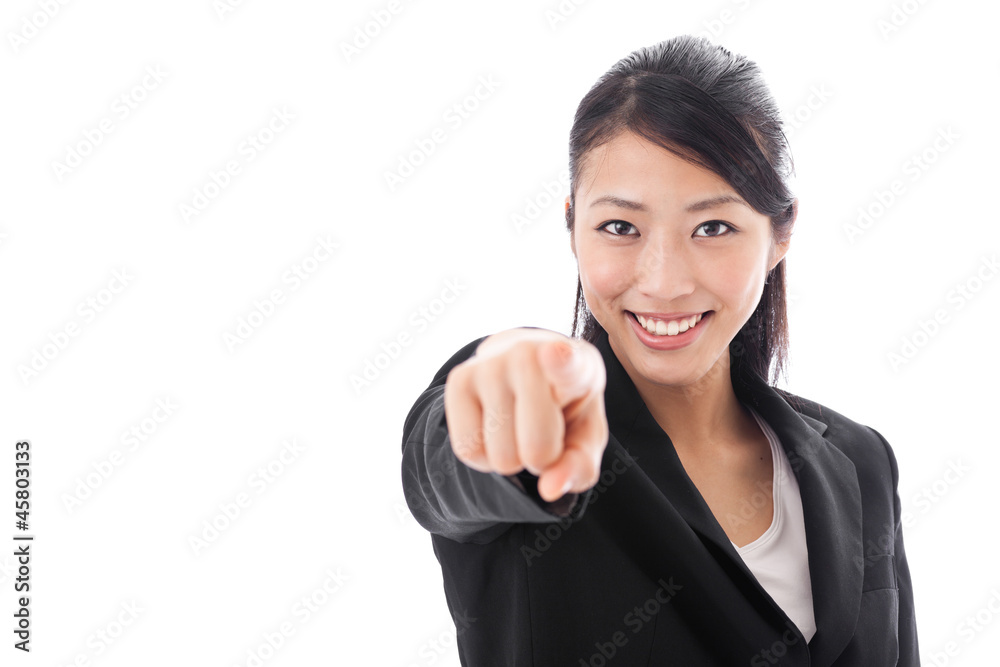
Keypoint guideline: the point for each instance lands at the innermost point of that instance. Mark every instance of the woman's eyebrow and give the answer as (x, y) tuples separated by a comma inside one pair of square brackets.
[(618, 202), (715, 201), (702, 205)]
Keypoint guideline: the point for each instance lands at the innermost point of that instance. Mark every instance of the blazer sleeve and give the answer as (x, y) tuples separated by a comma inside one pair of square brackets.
[(449, 498), (907, 631)]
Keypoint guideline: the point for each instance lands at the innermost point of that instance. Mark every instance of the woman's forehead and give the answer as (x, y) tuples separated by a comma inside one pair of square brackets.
[(630, 168)]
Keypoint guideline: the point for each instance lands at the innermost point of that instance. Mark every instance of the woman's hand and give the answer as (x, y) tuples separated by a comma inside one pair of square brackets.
[(531, 399)]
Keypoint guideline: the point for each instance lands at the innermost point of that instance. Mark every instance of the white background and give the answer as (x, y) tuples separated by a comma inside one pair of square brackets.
[(338, 504)]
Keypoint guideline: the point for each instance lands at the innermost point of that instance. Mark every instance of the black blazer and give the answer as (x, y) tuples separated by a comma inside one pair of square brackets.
[(637, 570)]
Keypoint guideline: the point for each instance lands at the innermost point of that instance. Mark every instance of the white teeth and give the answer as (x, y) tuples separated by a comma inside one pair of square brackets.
[(671, 328)]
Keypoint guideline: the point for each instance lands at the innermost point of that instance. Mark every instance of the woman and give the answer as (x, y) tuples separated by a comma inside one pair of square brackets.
[(641, 493)]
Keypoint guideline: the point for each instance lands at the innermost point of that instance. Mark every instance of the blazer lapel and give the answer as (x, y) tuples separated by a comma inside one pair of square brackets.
[(831, 508), (831, 498)]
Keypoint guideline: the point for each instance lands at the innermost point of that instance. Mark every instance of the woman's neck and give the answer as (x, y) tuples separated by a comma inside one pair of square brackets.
[(701, 416)]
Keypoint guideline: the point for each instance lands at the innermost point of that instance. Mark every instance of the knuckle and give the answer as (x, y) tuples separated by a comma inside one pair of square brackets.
[(465, 451), (459, 375), (520, 355), (504, 462), (495, 418), (464, 442), (539, 454)]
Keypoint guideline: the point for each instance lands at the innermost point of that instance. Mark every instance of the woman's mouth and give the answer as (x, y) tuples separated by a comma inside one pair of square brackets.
[(674, 334), (668, 328)]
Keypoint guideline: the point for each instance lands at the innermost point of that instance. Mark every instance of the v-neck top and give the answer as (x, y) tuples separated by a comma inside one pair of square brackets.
[(779, 558)]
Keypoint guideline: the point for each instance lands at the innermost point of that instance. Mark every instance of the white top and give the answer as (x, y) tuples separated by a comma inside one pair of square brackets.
[(779, 558)]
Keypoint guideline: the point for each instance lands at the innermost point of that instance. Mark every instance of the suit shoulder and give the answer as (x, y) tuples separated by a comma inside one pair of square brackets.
[(873, 458), (850, 436)]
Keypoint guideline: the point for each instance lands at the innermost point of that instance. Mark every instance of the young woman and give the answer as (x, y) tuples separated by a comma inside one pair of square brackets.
[(641, 493)]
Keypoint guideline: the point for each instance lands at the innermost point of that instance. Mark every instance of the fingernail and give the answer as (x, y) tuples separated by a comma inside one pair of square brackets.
[(565, 354)]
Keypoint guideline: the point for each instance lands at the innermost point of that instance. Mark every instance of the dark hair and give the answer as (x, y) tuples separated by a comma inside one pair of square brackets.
[(712, 108)]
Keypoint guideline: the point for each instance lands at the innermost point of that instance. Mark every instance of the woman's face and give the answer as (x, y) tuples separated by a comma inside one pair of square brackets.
[(648, 240)]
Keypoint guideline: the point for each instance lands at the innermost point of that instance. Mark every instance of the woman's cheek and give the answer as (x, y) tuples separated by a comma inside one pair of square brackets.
[(731, 275), (607, 276)]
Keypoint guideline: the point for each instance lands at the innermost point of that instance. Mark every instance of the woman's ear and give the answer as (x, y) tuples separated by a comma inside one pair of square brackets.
[(572, 245), (779, 250)]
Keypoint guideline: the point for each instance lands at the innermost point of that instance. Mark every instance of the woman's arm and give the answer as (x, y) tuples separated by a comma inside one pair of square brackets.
[(449, 498), (907, 631)]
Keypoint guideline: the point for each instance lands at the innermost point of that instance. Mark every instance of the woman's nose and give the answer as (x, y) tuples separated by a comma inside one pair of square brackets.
[(663, 271)]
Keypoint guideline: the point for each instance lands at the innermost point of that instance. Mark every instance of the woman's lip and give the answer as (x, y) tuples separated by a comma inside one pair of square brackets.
[(668, 342), (668, 317)]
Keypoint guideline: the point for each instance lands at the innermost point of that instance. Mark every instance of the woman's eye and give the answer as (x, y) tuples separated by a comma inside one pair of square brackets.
[(716, 228), (617, 225)]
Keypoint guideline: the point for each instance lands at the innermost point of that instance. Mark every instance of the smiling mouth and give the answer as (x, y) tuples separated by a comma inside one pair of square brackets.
[(671, 328)]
